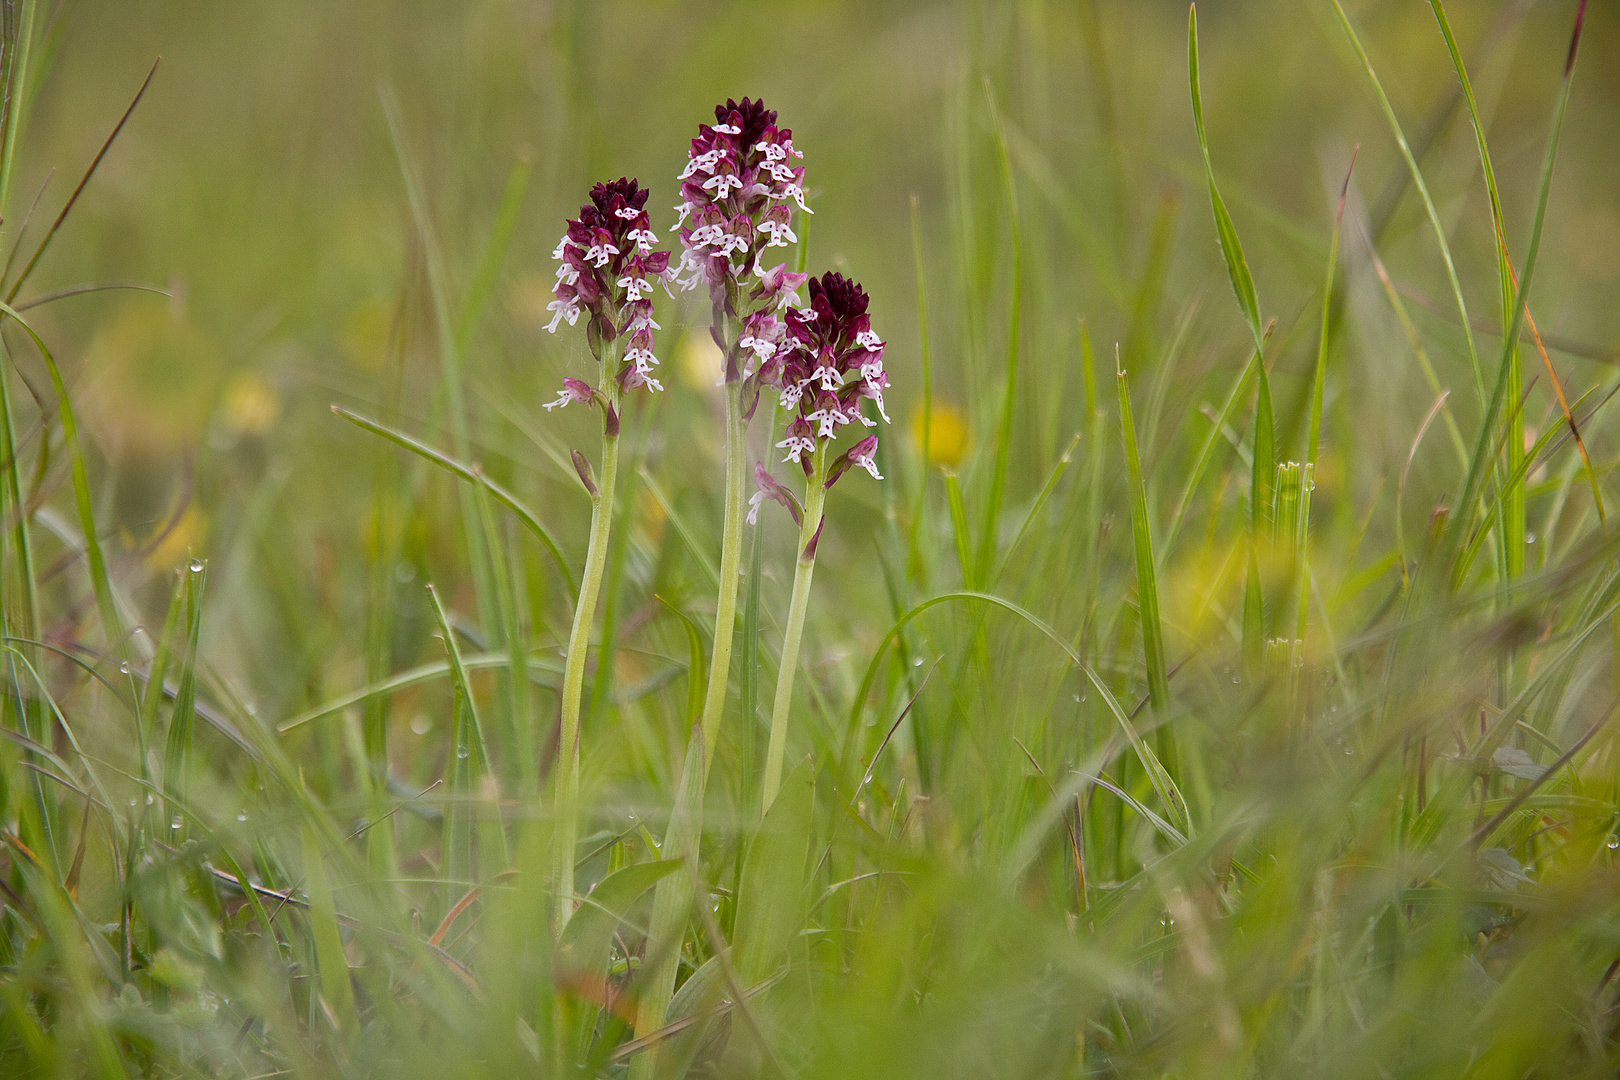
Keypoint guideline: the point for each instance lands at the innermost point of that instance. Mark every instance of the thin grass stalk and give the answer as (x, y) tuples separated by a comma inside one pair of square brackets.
[(579, 640), (725, 611), (1313, 438), (106, 605), (16, 103), (1461, 518), (177, 752), (1004, 428), (1147, 589), (672, 901), (809, 528), (1423, 191), (919, 517), (751, 611)]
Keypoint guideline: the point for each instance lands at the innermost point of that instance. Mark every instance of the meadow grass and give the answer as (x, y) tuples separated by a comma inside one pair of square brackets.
[(1254, 719)]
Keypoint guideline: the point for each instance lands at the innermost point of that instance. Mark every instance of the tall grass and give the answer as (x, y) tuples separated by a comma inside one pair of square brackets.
[(1229, 726)]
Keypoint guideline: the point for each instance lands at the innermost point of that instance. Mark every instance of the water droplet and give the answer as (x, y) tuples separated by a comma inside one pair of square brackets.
[(1235, 679), (196, 566), (421, 724), (462, 751), (1333, 708), (124, 668), (149, 800), (140, 630), (1614, 841), (1529, 537), (1348, 750), (241, 815), (174, 822), (133, 803), (404, 571), (917, 662)]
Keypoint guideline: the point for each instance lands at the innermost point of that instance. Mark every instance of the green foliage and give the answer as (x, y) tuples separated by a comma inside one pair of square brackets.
[(1255, 736)]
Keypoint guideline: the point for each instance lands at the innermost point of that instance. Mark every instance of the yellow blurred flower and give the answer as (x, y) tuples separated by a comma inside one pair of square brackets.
[(366, 333), (700, 360), (947, 434), (251, 404), (651, 513), (186, 536)]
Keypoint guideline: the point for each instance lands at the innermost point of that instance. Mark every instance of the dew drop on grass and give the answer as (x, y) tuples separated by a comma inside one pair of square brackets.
[(1613, 841), (1529, 537), (124, 668), (421, 724), (462, 751), (404, 571), (917, 662), (174, 822), (149, 800), (196, 566), (241, 815)]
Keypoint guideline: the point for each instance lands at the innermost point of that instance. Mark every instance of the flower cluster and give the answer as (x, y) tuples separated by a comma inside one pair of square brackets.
[(608, 266), (738, 181), (827, 364)]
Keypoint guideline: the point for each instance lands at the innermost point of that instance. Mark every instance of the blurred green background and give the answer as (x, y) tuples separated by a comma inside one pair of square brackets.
[(259, 184)]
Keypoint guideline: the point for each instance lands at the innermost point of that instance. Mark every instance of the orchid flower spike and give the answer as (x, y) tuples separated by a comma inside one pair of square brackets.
[(607, 269), (738, 192), (826, 364)]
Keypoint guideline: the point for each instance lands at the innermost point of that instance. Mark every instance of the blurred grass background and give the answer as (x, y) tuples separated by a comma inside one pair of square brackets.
[(258, 184)]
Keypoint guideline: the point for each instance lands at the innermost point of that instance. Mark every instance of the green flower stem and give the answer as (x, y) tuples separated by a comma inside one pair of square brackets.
[(673, 898), (579, 641), (815, 498), (725, 609)]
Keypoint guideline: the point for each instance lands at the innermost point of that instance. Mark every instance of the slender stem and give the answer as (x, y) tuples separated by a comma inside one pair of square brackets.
[(579, 640), (725, 609), (673, 898), (814, 498)]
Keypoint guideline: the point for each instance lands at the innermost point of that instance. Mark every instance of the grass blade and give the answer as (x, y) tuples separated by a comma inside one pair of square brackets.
[(1009, 396), (1423, 191), (1461, 519), (1313, 439), (177, 752), (111, 624), (67, 207), (1237, 266), (1147, 589), (472, 475)]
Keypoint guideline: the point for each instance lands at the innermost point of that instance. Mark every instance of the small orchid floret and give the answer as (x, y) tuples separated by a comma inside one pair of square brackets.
[(768, 488)]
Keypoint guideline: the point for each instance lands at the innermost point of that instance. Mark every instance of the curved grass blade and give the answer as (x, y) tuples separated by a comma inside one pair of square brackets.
[(1172, 795), (696, 683), (1237, 266), (1147, 588), (177, 749), (67, 207), (1460, 520), (1004, 428), (1313, 438), (111, 624), (410, 677), (1423, 191), (472, 476)]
